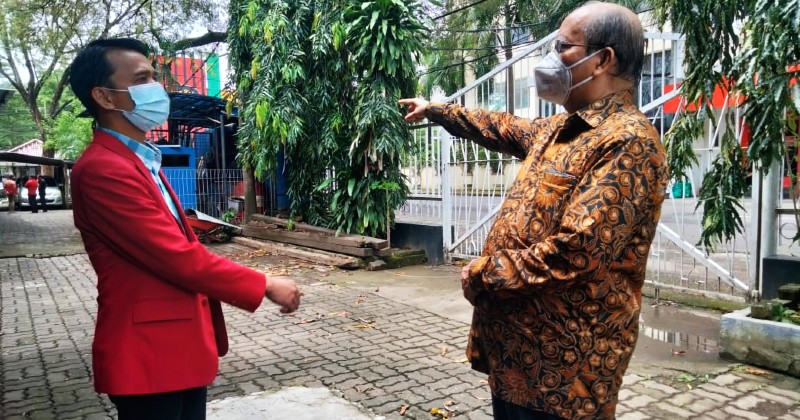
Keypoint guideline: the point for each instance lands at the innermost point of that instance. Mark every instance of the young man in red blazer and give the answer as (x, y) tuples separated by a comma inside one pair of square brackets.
[(160, 328)]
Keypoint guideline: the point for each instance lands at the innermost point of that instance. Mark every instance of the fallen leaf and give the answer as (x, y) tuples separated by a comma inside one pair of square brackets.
[(308, 320), (436, 412), (464, 360), (403, 409), (450, 406), (363, 326), (444, 351), (678, 352), (377, 289), (756, 371)]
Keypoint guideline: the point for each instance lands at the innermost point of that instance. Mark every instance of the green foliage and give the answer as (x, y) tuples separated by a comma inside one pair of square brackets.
[(751, 60), (468, 42), (325, 96), (691, 380), (781, 313), (229, 216), (16, 124), (69, 134), (729, 171), (40, 37)]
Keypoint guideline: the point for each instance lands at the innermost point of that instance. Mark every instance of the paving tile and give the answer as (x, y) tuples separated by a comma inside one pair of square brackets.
[(48, 310)]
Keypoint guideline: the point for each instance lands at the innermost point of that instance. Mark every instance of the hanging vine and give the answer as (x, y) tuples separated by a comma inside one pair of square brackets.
[(318, 82), (748, 47)]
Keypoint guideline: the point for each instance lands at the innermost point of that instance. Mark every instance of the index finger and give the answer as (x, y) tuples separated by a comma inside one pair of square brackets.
[(406, 101)]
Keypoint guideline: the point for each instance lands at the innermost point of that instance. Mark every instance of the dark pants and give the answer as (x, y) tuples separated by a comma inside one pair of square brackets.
[(33, 204), (42, 202), (503, 410), (189, 404)]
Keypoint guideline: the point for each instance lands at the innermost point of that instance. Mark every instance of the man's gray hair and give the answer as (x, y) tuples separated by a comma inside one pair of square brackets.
[(614, 30)]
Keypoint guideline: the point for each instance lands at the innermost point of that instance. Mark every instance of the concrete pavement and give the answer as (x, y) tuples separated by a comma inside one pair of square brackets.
[(364, 344)]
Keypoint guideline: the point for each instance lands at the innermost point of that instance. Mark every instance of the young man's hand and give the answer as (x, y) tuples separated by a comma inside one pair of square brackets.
[(283, 292), (416, 109)]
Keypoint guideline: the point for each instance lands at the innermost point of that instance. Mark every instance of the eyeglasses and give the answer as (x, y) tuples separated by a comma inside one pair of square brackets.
[(560, 46)]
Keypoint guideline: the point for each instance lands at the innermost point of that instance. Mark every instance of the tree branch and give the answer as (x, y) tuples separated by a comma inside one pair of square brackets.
[(16, 81), (57, 92), (61, 108), (209, 38)]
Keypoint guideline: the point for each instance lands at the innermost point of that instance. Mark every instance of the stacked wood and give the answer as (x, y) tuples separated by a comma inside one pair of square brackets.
[(275, 229), (302, 253)]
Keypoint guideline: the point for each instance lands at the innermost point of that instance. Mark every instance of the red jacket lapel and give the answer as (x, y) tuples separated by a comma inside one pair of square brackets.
[(113, 144)]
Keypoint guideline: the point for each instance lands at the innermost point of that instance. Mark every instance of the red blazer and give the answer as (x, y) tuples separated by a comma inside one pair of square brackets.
[(159, 321)]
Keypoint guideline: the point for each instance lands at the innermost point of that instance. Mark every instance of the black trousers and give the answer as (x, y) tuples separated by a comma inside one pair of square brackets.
[(43, 202), (189, 404), (32, 202), (503, 410)]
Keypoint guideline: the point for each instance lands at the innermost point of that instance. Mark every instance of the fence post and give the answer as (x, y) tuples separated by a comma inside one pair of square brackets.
[(768, 235), (447, 196)]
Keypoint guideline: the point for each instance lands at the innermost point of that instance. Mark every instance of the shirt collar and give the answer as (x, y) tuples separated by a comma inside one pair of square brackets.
[(148, 153), (596, 112)]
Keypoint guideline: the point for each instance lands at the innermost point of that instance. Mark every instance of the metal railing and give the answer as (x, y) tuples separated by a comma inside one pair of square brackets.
[(214, 191)]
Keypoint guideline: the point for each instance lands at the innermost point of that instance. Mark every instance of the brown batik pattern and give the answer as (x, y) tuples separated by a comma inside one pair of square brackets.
[(560, 277)]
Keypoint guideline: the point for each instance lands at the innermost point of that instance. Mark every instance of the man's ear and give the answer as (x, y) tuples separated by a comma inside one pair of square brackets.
[(102, 98), (608, 62)]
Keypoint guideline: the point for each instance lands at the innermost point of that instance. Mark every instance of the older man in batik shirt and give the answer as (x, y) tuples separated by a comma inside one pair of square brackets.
[(557, 290)]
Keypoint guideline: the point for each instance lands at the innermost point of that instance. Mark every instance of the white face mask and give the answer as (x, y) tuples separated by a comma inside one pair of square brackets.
[(554, 79)]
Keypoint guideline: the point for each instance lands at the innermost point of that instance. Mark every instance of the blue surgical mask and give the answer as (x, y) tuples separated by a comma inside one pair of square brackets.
[(151, 108), (554, 79)]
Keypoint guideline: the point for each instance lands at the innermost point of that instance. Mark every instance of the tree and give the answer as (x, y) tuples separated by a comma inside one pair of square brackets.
[(467, 38), (325, 96), (38, 38), (70, 134), (752, 47), (16, 125)]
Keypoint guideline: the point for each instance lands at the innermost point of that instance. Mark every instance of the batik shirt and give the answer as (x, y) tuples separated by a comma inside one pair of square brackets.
[(560, 277)]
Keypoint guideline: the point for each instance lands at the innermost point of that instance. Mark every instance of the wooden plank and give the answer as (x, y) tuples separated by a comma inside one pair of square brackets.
[(315, 236), (361, 240), (305, 239), (306, 254)]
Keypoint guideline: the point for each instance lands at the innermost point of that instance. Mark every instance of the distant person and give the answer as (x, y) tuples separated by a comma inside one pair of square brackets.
[(32, 185), (160, 327), (42, 193), (11, 190), (557, 290)]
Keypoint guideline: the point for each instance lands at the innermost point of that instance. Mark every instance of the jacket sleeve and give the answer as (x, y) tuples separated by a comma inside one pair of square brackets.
[(123, 213), (611, 209), (497, 131)]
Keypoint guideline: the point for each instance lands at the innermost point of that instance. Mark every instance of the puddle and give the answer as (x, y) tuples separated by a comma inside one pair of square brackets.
[(677, 334), (680, 340)]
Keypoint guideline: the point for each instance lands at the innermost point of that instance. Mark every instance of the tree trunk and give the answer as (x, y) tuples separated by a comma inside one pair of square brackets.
[(249, 193), (38, 119)]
